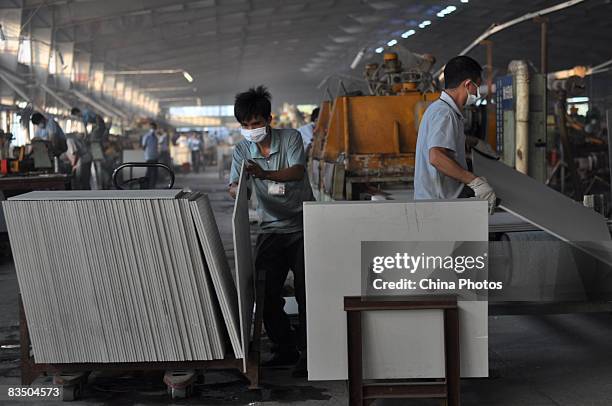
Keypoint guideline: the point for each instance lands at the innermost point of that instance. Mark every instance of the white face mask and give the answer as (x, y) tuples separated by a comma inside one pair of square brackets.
[(471, 99), (254, 135)]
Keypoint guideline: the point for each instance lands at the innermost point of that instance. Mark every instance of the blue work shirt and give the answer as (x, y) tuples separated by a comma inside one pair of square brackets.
[(194, 144), (278, 214), (307, 132), (441, 126), (149, 143), (51, 129), (88, 117)]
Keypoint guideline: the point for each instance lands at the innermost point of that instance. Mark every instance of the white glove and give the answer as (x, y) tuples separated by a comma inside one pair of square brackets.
[(483, 190)]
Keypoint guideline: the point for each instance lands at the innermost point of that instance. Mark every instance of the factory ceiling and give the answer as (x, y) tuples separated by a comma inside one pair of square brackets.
[(290, 45)]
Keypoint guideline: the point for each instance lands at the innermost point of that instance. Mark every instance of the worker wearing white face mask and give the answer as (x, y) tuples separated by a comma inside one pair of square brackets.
[(441, 171), (276, 161)]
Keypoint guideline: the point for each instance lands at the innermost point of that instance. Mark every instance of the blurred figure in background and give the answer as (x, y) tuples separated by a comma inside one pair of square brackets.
[(195, 146), (94, 141), (80, 160), (307, 130), (48, 129), (151, 153), (164, 149)]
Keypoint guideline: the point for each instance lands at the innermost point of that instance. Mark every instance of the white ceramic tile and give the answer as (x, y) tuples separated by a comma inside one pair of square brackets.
[(333, 233)]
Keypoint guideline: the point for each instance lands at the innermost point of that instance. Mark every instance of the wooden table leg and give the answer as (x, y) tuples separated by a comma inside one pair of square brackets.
[(451, 340), (355, 361)]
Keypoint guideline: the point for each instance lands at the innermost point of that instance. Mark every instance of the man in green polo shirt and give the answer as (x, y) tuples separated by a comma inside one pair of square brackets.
[(276, 162)]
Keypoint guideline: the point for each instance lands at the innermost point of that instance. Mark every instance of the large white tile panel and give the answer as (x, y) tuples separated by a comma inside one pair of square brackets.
[(333, 233)]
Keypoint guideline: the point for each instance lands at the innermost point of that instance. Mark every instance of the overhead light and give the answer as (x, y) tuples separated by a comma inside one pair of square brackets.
[(465, 1), (379, 50), (424, 24), (408, 33), (187, 76), (578, 100), (358, 58), (446, 11), (392, 42)]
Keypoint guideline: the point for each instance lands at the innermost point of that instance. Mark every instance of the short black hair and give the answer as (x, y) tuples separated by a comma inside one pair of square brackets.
[(253, 103), (153, 124), (75, 111), (38, 118), (459, 69), (315, 114)]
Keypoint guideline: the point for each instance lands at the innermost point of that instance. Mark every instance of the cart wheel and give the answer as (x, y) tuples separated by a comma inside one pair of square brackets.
[(71, 393)]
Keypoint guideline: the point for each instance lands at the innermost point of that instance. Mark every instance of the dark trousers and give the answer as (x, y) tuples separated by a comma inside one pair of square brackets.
[(151, 174), (195, 161), (81, 177), (164, 158), (276, 254)]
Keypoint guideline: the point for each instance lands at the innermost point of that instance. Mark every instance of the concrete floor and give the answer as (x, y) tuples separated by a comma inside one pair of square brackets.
[(536, 360)]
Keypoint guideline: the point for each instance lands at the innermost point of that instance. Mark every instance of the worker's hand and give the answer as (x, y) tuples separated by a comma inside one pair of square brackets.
[(233, 190), (255, 170), (482, 190)]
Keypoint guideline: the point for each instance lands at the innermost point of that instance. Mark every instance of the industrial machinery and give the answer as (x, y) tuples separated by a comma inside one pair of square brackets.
[(521, 120), (363, 143)]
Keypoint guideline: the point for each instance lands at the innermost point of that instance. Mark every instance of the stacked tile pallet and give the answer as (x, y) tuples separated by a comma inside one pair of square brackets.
[(123, 276)]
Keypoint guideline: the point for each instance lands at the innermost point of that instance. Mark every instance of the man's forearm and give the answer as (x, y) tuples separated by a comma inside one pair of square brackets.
[(449, 167), (294, 173)]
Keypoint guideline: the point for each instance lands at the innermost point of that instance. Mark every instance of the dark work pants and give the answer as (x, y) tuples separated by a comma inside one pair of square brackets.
[(151, 174), (276, 254), (82, 177), (195, 161)]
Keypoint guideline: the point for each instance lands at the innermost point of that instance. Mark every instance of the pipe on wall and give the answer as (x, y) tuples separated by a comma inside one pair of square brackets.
[(520, 72)]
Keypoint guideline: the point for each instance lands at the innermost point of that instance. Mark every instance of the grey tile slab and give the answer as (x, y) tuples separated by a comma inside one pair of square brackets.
[(214, 252), (540, 205), (115, 280), (98, 194), (213, 327), (245, 281)]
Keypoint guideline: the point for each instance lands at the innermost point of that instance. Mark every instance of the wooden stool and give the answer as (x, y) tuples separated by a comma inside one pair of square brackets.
[(361, 394)]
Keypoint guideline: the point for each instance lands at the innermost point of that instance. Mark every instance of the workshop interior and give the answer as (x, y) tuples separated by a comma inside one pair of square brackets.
[(309, 202)]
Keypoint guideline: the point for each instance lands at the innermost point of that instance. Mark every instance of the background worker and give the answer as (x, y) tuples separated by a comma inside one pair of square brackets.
[(98, 130), (277, 165), (194, 143), (441, 170), (164, 149), (48, 129), (80, 159), (307, 130), (151, 153)]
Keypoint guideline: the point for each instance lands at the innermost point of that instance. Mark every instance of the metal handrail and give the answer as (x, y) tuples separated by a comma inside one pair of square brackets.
[(132, 165)]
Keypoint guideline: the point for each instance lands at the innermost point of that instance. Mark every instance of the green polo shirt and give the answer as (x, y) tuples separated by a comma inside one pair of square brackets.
[(278, 214)]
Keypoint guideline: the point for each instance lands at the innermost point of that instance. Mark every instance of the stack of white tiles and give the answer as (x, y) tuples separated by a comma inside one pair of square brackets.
[(121, 276)]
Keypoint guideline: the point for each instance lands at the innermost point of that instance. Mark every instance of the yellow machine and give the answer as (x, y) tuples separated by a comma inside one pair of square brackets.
[(364, 142)]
